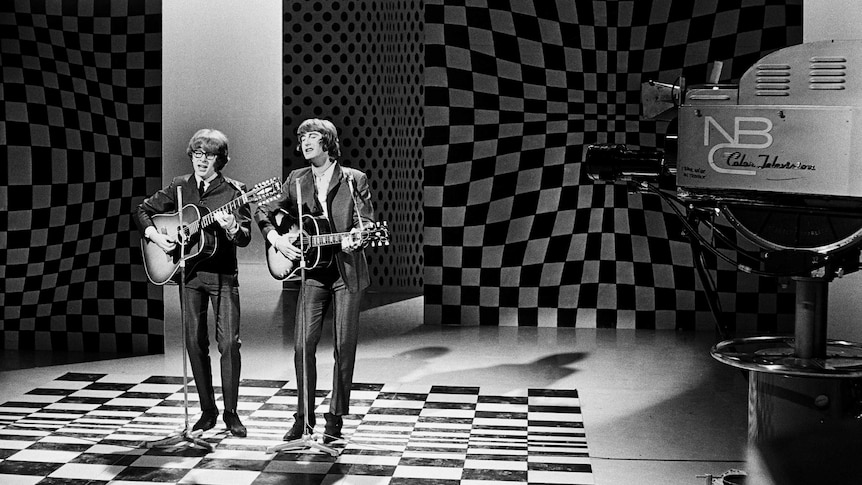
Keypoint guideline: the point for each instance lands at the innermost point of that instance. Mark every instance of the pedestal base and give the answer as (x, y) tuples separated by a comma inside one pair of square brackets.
[(804, 415)]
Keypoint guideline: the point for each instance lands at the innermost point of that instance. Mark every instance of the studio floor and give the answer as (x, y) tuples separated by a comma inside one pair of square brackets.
[(654, 407)]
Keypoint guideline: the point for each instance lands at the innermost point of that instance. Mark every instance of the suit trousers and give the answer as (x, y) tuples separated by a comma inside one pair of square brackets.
[(222, 291), (314, 301)]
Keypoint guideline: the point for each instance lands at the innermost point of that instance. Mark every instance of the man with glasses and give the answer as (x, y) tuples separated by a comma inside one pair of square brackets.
[(212, 278)]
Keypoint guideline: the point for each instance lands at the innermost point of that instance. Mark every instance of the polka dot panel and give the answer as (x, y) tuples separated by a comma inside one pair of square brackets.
[(515, 233), (360, 64)]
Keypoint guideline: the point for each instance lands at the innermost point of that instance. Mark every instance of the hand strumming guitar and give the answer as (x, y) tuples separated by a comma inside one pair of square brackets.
[(165, 242), (284, 244)]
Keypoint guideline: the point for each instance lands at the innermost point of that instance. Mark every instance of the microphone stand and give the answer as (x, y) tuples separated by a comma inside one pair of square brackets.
[(309, 438), (184, 436)]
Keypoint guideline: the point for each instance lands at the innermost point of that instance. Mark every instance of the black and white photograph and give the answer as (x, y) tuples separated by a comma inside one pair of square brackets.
[(430, 242)]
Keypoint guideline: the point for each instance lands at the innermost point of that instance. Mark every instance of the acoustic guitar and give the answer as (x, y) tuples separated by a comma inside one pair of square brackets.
[(197, 245), (316, 243)]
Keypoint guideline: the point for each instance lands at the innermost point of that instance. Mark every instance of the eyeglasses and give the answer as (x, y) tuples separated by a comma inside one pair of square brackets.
[(201, 154)]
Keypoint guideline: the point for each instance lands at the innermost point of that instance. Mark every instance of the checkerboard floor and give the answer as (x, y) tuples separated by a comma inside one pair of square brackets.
[(94, 428)]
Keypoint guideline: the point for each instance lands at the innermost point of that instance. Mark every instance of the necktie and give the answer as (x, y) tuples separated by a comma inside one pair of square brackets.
[(201, 189)]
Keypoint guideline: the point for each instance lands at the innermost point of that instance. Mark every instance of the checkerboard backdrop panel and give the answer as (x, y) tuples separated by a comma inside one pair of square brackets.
[(81, 128), (360, 63), (515, 233), (93, 428)]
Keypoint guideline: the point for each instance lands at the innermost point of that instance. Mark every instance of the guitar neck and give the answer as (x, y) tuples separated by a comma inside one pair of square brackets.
[(209, 218), (326, 239)]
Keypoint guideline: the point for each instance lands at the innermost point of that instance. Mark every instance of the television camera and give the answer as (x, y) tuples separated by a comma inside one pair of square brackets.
[(777, 158)]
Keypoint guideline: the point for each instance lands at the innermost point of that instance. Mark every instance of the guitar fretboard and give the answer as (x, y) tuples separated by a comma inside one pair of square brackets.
[(374, 232), (210, 217), (326, 239)]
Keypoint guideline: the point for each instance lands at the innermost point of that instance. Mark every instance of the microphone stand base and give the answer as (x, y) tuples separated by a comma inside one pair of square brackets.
[(183, 436), (306, 441)]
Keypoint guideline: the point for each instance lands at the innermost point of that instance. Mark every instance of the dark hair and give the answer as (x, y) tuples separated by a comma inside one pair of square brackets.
[(210, 141), (327, 129)]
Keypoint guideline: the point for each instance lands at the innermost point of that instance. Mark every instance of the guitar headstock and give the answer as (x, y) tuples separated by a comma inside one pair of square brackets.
[(265, 191), (376, 234)]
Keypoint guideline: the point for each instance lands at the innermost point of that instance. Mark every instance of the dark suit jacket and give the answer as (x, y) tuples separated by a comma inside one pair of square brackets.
[(221, 191), (342, 210)]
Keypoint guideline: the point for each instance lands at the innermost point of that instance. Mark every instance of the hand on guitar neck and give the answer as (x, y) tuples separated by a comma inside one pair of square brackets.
[(226, 220), (352, 241)]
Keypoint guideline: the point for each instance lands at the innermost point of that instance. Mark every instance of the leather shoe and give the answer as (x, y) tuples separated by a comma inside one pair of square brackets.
[(332, 431), (206, 421), (296, 431), (231, 420)]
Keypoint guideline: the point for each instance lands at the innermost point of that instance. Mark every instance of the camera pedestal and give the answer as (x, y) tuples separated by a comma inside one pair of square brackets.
[(804, 396)]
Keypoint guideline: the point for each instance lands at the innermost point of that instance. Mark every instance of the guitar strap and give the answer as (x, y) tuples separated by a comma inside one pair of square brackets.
[(236, 184)]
